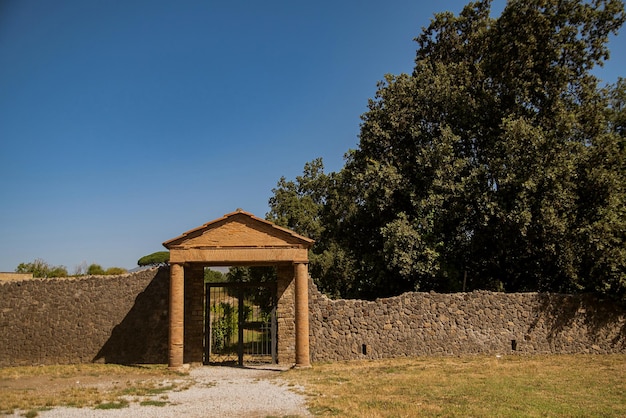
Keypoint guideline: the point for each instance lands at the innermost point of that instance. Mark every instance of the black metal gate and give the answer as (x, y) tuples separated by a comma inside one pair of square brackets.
[(240, 323)]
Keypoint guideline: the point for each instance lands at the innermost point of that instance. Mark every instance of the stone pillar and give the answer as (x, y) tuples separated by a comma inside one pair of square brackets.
[(302, 315), (177, 318)]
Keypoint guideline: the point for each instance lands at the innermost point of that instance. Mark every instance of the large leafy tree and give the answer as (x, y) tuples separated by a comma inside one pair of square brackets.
[(311, 205), (498, 163), (298, 204)]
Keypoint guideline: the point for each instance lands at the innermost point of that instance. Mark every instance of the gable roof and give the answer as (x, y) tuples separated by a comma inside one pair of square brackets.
[(239, 229)]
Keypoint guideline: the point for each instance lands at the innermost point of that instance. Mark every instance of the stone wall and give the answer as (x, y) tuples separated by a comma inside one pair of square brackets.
[(124, 319), (464, 323), (118, 319)]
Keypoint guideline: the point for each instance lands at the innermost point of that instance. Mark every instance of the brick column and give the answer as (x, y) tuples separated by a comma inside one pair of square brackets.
[(285, 312), (177, 319), (302, 315)]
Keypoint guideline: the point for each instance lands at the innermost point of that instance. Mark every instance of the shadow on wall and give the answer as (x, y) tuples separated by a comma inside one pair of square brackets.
[(142, 335), (589, 313)]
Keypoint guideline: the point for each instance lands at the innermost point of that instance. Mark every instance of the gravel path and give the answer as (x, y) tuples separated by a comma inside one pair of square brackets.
[(214, 392)]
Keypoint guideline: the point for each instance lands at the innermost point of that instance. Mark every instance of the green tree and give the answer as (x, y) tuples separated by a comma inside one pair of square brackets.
[(310, 206), (480, 160), (499, 158), (213, 276), (298, 204), (602, 207), (159, 258), (40, 268), (95, 270)]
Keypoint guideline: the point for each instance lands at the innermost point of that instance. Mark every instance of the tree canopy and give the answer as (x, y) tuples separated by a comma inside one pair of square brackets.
[(95, 270), (213, 276), (159, 258), (499, 163)]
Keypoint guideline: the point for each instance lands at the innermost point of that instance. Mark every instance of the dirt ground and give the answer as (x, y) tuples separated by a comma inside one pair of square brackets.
[(204, 391), (57, 384)]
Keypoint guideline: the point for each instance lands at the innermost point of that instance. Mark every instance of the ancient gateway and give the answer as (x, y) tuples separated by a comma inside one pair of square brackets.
[(238, 239)]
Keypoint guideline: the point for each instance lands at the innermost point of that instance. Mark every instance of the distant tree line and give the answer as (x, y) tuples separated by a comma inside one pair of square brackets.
[(499, 163), (40, 268)]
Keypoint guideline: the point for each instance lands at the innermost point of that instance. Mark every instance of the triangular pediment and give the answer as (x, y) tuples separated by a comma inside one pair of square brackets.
[(239, 230)]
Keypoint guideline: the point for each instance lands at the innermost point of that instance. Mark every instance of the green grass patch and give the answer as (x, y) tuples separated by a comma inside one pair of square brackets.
[(151, 402), (112, 405), (148, 389)]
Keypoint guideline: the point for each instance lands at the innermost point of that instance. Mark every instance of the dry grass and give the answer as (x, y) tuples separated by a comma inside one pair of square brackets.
[(41, 387), (509, 386)]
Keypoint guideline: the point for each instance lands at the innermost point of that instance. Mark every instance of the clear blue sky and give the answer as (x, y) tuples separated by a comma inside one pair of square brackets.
[(126, 123)]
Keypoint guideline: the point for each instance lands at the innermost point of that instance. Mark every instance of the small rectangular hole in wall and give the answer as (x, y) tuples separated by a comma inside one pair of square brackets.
[(514, 345), (364, 349)]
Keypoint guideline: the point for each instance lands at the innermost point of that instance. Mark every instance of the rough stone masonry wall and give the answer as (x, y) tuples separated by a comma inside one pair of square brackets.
[(464, 323), (119, 319), (124, 319)]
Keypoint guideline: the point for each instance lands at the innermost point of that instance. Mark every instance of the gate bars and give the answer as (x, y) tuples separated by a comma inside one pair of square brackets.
[(240, 320)]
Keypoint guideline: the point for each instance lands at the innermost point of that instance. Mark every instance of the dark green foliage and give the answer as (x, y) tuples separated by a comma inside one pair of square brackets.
[(225, 326), (251, 274), (260, 296), (499, 158), (159, 258), (113, 405), (298, 205)]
